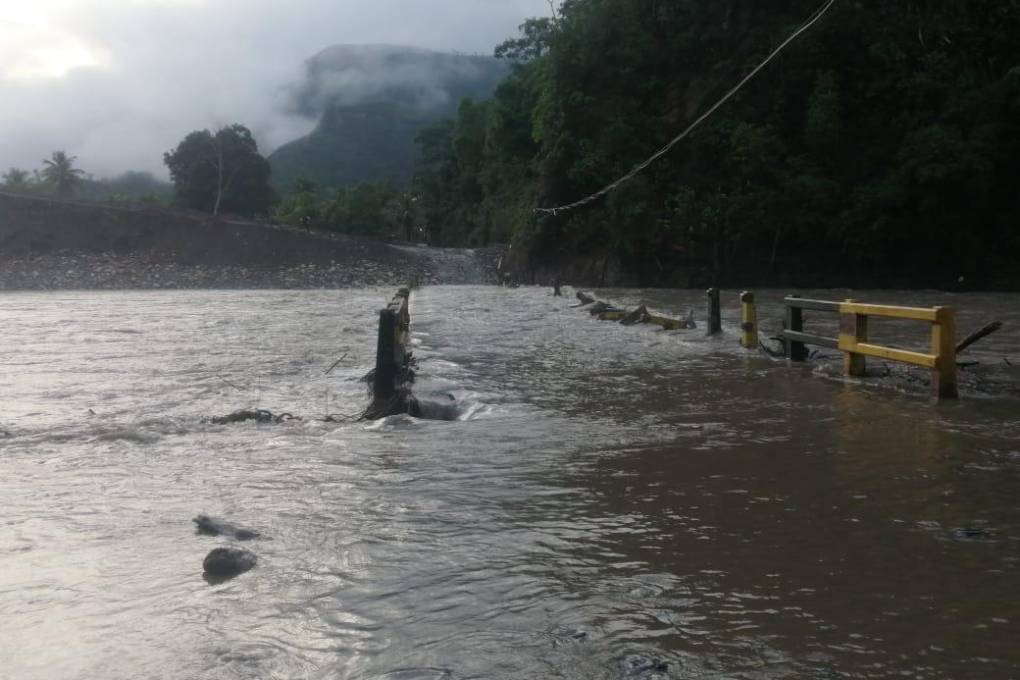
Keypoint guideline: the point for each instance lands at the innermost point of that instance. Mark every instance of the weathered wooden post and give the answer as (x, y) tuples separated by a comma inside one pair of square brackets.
[(384, 387), (943, 346), (795, 351), (854, 328), (714, 313), (748, 321)]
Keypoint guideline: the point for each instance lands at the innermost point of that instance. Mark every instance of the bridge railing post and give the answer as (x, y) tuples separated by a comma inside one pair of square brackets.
[(855, 327), (795, 351), (384, 386), (943, 346), (714, 312), (748, 321)]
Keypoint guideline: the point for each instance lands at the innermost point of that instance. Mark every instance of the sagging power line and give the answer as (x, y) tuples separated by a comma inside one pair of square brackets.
[(814, 19)]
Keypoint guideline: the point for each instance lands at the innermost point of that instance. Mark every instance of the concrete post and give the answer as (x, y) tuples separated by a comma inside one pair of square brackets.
[(714, 313), (384, 385)]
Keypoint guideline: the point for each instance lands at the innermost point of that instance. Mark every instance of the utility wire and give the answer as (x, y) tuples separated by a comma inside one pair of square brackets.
[(815, 18)]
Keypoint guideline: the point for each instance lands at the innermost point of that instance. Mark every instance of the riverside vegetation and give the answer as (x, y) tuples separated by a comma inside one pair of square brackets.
[(881, 149)]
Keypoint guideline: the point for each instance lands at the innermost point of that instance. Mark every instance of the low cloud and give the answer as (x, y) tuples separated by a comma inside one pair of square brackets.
[(346, 75), (118, 83)]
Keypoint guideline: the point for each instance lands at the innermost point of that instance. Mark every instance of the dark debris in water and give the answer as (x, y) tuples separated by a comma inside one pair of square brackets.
[(638, 666), (973, 534), (994, 380), (211, 526), (258, 415), (222, 564)]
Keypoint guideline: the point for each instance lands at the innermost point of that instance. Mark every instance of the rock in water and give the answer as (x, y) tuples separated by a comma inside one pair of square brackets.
[(227, 562), (217, 527), (432, 410)]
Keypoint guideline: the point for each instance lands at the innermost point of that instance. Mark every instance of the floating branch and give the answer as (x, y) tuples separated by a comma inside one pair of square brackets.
[(978, 335), (336, 363)]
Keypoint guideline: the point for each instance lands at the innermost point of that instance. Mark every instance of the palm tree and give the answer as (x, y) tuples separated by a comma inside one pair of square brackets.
[(59, 171)]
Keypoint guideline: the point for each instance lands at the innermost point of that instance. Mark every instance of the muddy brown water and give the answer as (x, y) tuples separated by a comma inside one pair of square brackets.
[(613, 502)]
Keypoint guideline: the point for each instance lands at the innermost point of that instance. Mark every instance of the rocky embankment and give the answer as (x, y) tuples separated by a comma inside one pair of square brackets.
[(59, 245)]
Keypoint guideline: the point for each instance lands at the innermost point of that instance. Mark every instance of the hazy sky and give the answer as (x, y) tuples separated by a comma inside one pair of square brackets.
[(118, 82)]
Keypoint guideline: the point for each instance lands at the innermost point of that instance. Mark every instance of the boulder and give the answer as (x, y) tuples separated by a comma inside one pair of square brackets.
[(228, 562)]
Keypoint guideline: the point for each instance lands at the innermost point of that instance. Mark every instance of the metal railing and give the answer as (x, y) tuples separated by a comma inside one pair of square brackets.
[(853, 338)]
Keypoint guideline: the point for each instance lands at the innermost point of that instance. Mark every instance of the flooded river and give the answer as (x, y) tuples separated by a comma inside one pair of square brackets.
[(613, 503)]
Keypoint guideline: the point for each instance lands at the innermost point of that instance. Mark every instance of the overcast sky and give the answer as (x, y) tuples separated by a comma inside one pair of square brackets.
[(118, 82)]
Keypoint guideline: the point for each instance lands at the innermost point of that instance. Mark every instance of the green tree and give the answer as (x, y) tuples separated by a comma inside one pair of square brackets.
[(221, 171), (17, 179), (369, 209), (881, 148), (59, 173), (306, 208)]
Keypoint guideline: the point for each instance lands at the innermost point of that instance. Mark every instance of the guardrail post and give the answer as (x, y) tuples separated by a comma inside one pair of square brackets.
[(714, 313), (748, 321), (855, 327), (943, 346), (795, 351), (385, 384)]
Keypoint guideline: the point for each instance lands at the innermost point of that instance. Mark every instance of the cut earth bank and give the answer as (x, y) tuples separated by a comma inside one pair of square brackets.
[(62, 245)]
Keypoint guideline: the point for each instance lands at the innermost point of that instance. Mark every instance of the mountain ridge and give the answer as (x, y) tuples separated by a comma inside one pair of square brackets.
[(371, 101)]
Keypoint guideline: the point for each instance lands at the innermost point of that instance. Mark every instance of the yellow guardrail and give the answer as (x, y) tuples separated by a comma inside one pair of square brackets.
[(853, 341)]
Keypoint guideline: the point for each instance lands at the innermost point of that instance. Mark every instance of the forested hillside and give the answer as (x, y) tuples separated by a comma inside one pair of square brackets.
[(881, 149), (370, 101)]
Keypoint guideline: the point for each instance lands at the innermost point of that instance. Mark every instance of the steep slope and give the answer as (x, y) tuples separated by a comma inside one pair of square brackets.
[(47, 244), (371, 100)]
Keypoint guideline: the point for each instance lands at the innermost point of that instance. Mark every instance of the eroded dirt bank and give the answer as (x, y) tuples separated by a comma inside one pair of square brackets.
[(47, 245)]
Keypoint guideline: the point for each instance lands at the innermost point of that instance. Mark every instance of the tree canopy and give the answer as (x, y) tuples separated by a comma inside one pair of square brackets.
[(885, 143), (17, 179), (220, 172), (375, 209), (59, 173)]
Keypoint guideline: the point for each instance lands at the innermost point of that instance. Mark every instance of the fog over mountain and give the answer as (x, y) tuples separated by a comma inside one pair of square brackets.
[(425, 80), (117, 83), (371, 101)]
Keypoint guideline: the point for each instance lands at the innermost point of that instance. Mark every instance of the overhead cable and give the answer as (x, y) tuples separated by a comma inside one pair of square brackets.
[(815, 18)]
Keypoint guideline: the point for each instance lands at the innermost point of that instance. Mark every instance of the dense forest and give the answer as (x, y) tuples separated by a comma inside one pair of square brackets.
[(881, 149)]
